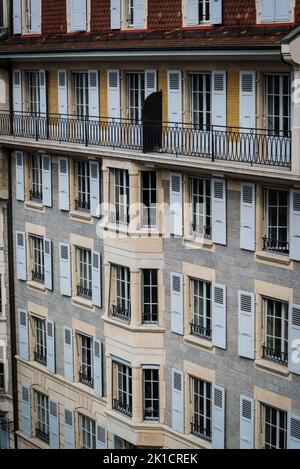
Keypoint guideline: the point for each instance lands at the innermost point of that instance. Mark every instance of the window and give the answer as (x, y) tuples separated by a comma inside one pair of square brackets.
[(83, 196), (37, 251), (2, 378), (276, 316), (278, 104), (201, 409), (204, 11), (200, 195), (201, 325), (120, 196), (40, 349), (276, 221), (151, 393), (149, 199), (86, 360), (81, 93), (34, 92), (149, 296), (136, 95), (121, 309), (42, 417), (133, 14), (200, 85), (119, 443), (36, 178), (84, 273), (87, 433), (122, 388), (274, 428), (1, 297)]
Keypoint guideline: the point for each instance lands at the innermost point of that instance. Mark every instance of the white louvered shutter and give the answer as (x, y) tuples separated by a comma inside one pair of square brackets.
[(62, 92), (63, 183), (246, 324), (268, 8), (78, 15), (178, 401), (115, 14), (50, 329), (43, 93), (21, 255), (101, 440), (246, 423), (295, 225), (174, 97), (48, 264), (20, 189), (283, 10), (113, 77), (177, 303), (17, 16), (68, 354), (247, 100), (293, 432), (98, 368), (94, 111), (219, 211), (47, 180), (17, 91), (294, 339), (23, 334), (26, 410), (139, 14), (247, 222), (53, 424), (192, 12), (150, 82), (95, 188), (219, 104), (35, 16), (65, 269), (216, 12), (69, 432), (219, 316), (218, 417), (176, 215)]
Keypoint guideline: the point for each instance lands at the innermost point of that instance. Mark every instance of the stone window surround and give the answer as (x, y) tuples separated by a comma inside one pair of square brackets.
[(77, 241), (33, 230)]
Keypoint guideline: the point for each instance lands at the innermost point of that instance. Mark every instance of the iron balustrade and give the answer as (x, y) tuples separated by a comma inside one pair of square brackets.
[(200, 331), (86, 378), (40, 357), (200, 431), (36, 195), (82, 205), (204, 232), (42, 435), (275, 245), (38, 276), (122, 407), (235, 144), (276, 356), (84, 292), (120, 313)]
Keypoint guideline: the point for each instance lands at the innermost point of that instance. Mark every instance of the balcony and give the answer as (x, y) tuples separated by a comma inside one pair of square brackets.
[(40, 357), (86, 378), (232, 144), (84, 292), (82, 205), (200, 431), (281, 358), (199, 331), (38, 276), (276, 246), (202, 232), (36, 195), (122, 407), (42, 435), (121, 313)]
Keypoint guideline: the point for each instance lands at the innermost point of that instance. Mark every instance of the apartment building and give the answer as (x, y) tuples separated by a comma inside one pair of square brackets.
[(155, 178)]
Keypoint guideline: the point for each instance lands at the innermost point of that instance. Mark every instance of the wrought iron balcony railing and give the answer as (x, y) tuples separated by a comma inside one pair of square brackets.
[(82, 205), (202, 332), (42, 435), (235, 144), (282, 358), (204, 232), (119, 312), (84, 292), (36, 195), (38, 276), (86, 378), (200, 431), (40, 357), (122, 407), (276, 246)]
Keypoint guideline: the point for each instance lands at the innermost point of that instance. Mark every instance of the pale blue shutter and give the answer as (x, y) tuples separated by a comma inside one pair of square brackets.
[(218, 417), (176, 216), (96, 279), (21, 255), (17, 91), (47, 181), (4, 434), (150, 82), (219, 104), (43, 93), (65, 269), (26, 410), (247, 100), (247, 222), (17, 14), (174, 96), (68, 354), (115, 14), (63, 183), (283, 11), (216, 13), (246, 324), (219, 316), (177, 303), (62, 85), (139, 14), (50, 328), (78, 15), (246, 423), (69, 432), (35, 15), (20, 191), (178, 401), (48, 264), (192, 12), (94, 94), (23, 334), (294, 339), (54, 424), (98, 368), (293, 432), (268, 11), (95, 188), (295, 225), (113, 77), (101, 440), (219, 211)]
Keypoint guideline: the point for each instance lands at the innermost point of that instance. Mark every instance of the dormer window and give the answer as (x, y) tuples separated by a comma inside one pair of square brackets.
[(128, 14), (201, 12)]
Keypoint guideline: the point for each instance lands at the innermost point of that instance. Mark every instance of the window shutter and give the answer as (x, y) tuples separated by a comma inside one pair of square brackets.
[(48, 264), (62, 84), (17, 90), (96, 279), (246, 324), (78, 15), (246, 423), (150, 82), (98, 368), (294, 339), (54, 424), (219, 98), (23, 334), (219, 316), (50, 346), (43, 92), (248, 100), (4, 434), (26, 410), (247, 226), (35, 16), (20, 191), (95, 189), (63, 183), (93, 93), (293, 432), (101, 440), (283, 10), (139, 14), (177, 303), (174, 96), (113, 77), (178, 401), (47, 182), (218, 417), (219, 225), (295, 225), (65, 269), (176, 220), (69, 430), (21, 255), (268, 11), (17, 13), (115, 14), (192, 12), (216, 11), (68, 354)]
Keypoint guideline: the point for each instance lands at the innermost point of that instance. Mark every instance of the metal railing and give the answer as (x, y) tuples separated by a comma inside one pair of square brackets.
[(204, 232), (200, 431), (84, 292), (38, 276), (282, 358), (122, 407), (42, 435), (40, 357), (82, 205), (202, 332), (236, 144), (86, 378), (276, 246), (120, 313), (36, 195)]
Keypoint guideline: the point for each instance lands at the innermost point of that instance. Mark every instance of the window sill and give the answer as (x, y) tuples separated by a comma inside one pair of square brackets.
[(272, 258), (83, 303), (75, 214), (195, 242), (272, 367), (202, 343), (32, 440), (36, 286), (36, 206), (197, 441), (142, 328)]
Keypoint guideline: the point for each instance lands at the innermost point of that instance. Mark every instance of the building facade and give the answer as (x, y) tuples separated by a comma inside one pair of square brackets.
[(155, 179)]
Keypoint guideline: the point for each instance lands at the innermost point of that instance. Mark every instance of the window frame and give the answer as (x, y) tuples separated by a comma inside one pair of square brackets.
[(36, 178), (84, 273), (281, 117), (80, 82), (196, 217), (120, 197), (149, 206), (33, 89), (37, 255), (42, 421), (122, 396), (151, 304), (40, 339), (280, 247), (2, 378), (89, 432), (86, 359), (136, 95), (82, 186), (198, 330), (205, 434), (277, 426), (152, 397), (282, 355)]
